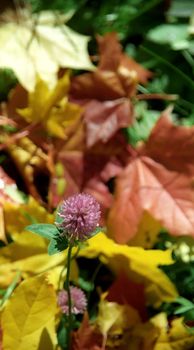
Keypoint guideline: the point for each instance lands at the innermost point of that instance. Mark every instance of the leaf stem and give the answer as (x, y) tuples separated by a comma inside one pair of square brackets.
[(69, 296)]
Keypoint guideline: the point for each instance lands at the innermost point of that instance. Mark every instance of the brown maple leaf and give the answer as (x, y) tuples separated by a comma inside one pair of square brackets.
[(113, 58), (116, 76), (100, 85)]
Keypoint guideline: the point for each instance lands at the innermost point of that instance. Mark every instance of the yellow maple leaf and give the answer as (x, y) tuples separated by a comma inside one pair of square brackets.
[(147, 233), (28, 252), (29, 256), (57, 275), (26, 214), (36, 45), (26, 316), (137, 263), (28, 158), (7, 275), (175, 337), (115, 321), (51, 107)]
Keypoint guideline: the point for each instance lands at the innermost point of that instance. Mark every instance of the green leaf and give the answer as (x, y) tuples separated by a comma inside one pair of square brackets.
[(57, 245), (44, 230), (7, 82), (62, 337), (186, 308), (181, 9), (183, 309), (58, 218), (175, 35), (184, 302), (189, 316), (143, 125), (88, 286)]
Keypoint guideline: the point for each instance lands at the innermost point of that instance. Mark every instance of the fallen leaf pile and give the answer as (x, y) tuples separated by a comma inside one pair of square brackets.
[(62, 133)]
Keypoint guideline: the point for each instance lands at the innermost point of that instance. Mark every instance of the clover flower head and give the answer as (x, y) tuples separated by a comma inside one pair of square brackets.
[(80, 216), (78, 301)]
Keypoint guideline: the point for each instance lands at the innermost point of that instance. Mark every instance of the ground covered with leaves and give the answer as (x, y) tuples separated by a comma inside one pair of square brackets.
[(97, 97)]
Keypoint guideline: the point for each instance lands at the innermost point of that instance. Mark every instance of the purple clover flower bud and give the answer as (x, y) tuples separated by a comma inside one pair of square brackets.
[(78, 301), (80, 216)]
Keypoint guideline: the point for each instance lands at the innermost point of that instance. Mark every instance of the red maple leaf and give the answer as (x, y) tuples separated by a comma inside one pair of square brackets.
[(159, 183), (105, 93), (86, 337), (171, 145), (90, 171), (124, 291), (104, 119)]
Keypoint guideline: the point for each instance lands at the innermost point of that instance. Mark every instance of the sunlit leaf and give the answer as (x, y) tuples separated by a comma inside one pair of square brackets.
[(27, 315), (138, 264), (28, 255), (35, 45)]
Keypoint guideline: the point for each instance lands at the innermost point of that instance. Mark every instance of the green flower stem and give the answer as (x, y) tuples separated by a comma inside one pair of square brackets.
[(64, 268), (69, 296)]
